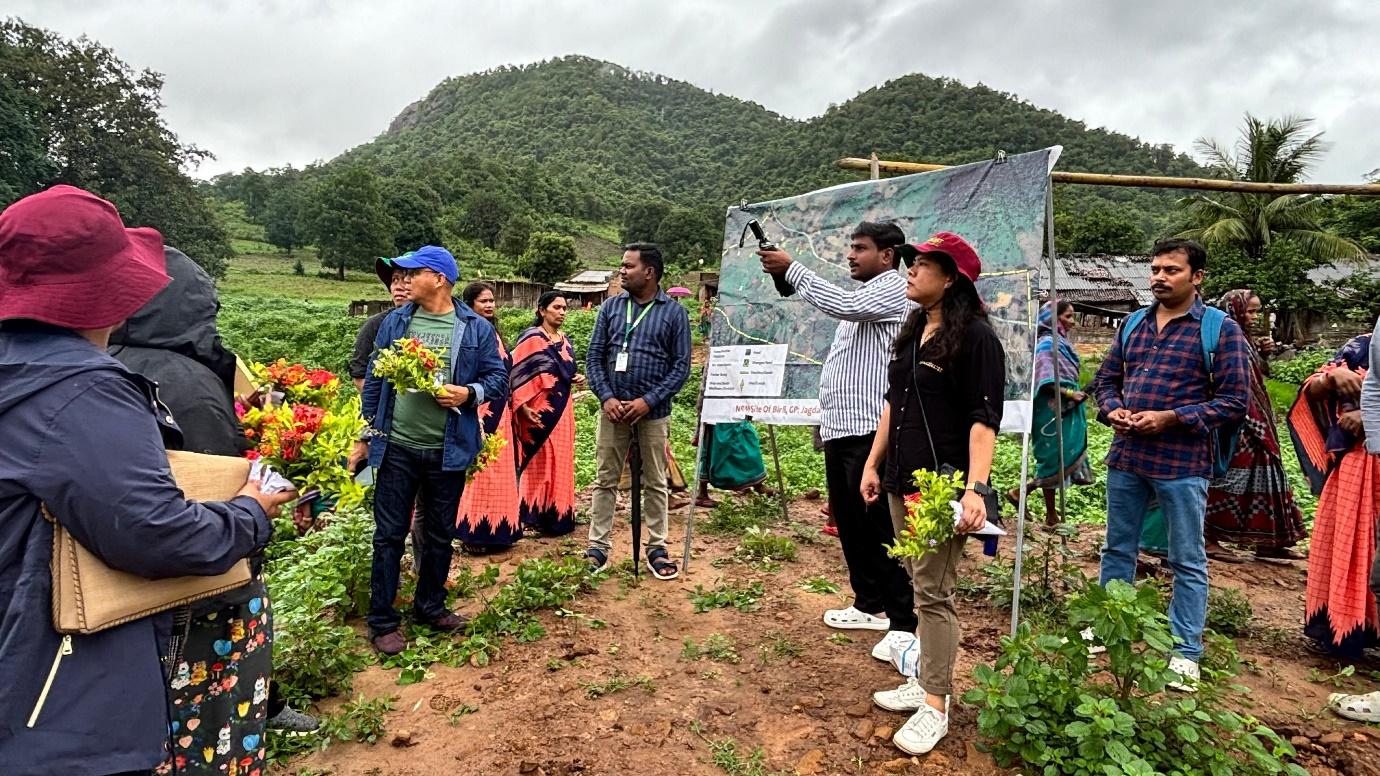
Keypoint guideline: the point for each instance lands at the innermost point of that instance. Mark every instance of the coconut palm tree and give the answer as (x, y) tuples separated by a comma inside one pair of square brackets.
[(1274, 151)]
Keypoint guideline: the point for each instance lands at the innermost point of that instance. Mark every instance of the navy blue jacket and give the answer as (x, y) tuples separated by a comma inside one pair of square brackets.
[(474, 363), (82, 435)]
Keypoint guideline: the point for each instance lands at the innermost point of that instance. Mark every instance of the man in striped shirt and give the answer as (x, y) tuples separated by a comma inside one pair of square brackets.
[(852, 388)]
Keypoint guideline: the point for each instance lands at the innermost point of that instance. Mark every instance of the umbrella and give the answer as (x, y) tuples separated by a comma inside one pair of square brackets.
[(635, 461), (678, 291)]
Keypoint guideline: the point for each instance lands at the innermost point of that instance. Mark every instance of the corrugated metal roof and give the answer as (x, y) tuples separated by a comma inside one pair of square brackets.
[(591, 276)]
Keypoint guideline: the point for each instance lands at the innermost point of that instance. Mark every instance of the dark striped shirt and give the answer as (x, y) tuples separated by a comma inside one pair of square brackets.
[(658, 352)]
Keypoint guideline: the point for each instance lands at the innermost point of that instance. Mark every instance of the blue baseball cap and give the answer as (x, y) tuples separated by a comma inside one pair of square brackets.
[(432, 257)]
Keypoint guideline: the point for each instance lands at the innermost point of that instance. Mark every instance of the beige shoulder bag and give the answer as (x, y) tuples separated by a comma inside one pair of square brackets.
[(89, 596)]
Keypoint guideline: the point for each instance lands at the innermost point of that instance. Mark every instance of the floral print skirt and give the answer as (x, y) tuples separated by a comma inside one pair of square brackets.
[(219, 690)]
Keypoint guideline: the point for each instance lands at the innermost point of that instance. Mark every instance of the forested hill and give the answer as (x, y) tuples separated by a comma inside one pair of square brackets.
[(601, 137)]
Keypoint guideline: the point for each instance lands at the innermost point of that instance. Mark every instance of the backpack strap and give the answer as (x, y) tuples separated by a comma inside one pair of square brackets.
[(1130, 323), (1210, 332)]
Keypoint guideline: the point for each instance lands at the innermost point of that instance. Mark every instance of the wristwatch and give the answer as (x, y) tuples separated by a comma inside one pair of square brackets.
[(981, 488)]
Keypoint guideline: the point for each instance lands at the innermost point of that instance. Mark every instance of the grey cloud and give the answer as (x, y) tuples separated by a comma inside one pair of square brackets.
[(267, 83)]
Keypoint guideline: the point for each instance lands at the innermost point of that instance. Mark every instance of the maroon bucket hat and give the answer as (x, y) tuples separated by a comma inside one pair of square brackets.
[(67, 259)]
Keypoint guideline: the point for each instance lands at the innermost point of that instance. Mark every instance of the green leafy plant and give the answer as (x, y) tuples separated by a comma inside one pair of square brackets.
[(929, 515), (717, 647), (616, 683), (408, 365), (777, 647), (819, 585), (1048, 708), (742, 598), (734, 517), (459, 712), (317, 581), (761, 548), (1229, 611), (358, 720), (840, 639)]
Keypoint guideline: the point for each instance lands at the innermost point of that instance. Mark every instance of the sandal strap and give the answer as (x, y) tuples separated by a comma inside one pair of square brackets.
[(659, 559)]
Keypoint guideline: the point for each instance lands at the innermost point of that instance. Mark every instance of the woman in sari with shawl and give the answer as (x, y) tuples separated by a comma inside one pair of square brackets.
[(1325, 423), (487, 520), (1056, 381), (542, 380), (1252, 504)]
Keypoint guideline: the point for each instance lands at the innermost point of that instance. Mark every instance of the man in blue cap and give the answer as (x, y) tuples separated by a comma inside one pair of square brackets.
[(421, 444)]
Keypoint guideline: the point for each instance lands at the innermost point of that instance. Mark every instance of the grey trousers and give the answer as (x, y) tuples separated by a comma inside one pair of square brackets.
[(611, 451)]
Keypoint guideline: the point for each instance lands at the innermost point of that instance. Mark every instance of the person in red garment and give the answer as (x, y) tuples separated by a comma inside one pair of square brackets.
[(544, 373), (488, 518)]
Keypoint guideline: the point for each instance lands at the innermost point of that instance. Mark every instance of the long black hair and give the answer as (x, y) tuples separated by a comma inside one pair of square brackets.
[(544, 302), (961, 305)]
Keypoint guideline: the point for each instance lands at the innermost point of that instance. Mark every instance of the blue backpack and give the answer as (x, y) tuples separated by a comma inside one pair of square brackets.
[(1210, 331)]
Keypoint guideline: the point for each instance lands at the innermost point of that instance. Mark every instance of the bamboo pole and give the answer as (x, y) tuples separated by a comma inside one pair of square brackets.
[(1140, 181)]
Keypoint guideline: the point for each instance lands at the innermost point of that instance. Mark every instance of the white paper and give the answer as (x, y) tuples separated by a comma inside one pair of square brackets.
[(987, 528), (270, 481), (746, 370)]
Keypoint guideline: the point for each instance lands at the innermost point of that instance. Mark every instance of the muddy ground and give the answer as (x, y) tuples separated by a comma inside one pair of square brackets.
[(809, 713)]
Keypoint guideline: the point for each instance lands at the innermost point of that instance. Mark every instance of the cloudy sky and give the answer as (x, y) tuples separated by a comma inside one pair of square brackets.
[(264, 83)]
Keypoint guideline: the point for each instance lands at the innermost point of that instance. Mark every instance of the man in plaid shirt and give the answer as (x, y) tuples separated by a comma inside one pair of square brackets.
[(1154, 390)]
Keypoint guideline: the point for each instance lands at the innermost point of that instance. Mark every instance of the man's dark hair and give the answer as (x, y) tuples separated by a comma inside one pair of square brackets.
[(473, 290), (1197, 256), (883, 234), (650, 256)]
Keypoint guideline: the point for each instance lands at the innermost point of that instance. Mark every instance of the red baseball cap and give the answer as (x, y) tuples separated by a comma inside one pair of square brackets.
[(965, 259), (67, 259)]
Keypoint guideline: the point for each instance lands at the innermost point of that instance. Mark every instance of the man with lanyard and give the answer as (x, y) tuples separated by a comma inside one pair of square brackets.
[(1163, 400), (421, 444), (852, 387), (639, 358)]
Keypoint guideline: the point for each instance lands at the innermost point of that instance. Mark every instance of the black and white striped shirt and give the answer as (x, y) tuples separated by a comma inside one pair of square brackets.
[(852, 386)]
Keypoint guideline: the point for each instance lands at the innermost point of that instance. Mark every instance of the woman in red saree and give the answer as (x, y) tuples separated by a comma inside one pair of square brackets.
[(543, 375), (1252, 505), (488, 517), (1325, 423)]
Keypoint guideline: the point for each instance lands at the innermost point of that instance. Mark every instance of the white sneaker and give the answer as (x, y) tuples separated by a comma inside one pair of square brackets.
[(890, 642), (1188, 670), (852, 619), (1093, 649), (923, 730), (908, 697)]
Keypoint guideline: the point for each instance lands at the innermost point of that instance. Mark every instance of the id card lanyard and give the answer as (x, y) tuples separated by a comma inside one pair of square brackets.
[(620, 363)]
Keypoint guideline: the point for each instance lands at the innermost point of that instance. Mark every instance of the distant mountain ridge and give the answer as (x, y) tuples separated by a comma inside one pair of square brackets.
[(588, 138)]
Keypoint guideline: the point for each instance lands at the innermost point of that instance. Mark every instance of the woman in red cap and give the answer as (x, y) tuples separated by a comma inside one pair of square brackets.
[(86, 437), (944, 406)]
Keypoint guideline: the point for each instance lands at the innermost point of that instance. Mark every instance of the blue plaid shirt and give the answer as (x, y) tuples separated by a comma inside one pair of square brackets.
[(1164, 370), (658, 352)]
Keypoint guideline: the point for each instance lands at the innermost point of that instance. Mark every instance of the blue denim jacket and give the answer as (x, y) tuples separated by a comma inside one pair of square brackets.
[(475, 363)]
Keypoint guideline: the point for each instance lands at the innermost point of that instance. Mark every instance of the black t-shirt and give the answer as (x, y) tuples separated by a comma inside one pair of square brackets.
[(965, 390), (364, 345)]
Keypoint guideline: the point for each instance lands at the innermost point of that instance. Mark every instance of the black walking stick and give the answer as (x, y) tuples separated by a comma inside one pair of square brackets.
[(635, 461)]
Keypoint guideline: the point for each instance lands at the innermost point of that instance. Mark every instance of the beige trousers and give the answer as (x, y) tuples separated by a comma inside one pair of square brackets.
[(611, 450), (933, 578)]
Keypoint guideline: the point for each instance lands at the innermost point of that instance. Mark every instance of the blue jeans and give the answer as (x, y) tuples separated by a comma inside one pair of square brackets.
[(405, 474), (1184, 502)]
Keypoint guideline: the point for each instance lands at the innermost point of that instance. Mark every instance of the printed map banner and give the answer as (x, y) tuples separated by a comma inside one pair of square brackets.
[(997, 206)]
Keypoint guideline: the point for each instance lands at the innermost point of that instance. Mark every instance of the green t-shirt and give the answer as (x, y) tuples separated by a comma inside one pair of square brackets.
[(418, 421)]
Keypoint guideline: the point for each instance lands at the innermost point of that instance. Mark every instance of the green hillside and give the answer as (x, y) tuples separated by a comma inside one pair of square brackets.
[(594, 151)]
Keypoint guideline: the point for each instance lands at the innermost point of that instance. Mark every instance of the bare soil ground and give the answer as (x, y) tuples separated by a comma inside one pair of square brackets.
[(810, 713)]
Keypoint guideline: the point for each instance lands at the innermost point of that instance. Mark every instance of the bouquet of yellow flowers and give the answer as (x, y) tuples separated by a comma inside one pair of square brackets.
[(409, 366), (930, 515), (488, 453), (308, 445)]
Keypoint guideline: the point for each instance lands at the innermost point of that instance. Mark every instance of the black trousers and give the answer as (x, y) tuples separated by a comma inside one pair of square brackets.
[(880, 583), (404, 475)]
